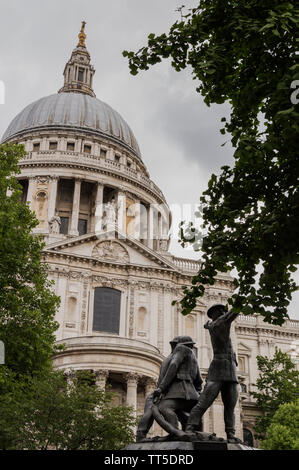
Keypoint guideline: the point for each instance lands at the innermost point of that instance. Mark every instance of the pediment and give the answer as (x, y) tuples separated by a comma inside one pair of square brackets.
[(119, 249), (243, 348)]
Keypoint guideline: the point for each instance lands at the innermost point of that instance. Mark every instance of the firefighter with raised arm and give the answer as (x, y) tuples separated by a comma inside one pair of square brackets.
[(222, 373)]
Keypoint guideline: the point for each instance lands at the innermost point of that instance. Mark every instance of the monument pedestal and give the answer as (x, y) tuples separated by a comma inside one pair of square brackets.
[(187, 446)]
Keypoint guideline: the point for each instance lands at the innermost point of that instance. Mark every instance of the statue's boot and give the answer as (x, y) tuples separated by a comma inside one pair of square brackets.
[(140, 436), (232, 439), (190, 429), (194, 423)]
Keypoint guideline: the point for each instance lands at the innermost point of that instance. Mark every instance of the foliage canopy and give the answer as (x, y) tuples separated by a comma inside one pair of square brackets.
[(278, 383), (244, 52), (50, 412), (27, 303), (282, 433)]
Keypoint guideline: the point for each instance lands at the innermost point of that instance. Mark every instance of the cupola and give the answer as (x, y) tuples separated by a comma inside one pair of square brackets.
[(78, 72)]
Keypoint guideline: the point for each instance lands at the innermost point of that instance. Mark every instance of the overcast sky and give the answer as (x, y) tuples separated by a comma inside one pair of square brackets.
[(177, 133)]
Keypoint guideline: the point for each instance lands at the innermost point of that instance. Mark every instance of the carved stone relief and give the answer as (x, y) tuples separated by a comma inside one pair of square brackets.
[(111, 250)]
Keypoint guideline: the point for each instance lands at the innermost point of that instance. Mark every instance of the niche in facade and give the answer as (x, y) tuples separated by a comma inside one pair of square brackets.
[(71, 315), (41, 207), (142, 322)]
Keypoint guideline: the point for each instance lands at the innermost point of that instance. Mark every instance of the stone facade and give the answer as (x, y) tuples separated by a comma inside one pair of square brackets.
[(106, 225)]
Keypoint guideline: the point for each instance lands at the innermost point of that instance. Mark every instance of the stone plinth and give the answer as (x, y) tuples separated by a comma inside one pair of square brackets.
[(184, 445)]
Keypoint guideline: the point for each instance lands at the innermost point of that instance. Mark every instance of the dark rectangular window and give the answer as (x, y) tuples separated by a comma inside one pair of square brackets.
[(70, 146), (52, 145), (103, 153), (81, 75), (24, 184), (65, 194), (82, 226), (106, 313), (87, 148), (36, 147), (117, 158), (64, 227)]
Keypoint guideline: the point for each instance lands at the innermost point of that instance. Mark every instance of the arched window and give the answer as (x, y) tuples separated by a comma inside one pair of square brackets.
[(106, 312), (247, 437)]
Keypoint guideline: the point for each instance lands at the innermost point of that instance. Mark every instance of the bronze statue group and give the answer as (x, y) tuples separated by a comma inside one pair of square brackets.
[(179, 396)]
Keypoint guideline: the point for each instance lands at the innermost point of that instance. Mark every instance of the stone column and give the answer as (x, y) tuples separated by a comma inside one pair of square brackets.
[(110, 154), (121, 206), (76, 207), (132, 382), (262, 346), (150, 227), (101, 378), (98, 216), (78, 146), (149, 385), (53, 196), (70, 375), (165, 227), (96, 149), (30, 191), (44, 145), (160, 234), (137, 221), (238, 419), (61, 144)]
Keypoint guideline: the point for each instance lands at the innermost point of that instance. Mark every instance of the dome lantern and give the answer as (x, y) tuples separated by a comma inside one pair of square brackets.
[(78, 72)]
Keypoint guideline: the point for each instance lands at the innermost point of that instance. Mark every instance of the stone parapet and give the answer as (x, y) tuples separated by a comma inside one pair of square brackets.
[(91, 162)]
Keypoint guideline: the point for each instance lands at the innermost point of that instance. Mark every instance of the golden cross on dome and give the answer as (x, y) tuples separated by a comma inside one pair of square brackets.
[(82, 35)]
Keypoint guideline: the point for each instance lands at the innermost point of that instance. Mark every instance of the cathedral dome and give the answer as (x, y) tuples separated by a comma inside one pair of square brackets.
[(72, 110)]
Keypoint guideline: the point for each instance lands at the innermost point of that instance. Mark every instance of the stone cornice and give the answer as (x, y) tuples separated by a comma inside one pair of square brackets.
[(127, 270), (119, 345), (109, 280)]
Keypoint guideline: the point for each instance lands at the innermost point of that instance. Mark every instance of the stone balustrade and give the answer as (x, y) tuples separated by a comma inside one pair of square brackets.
[(93, 161), (189, 265), (257, 320)]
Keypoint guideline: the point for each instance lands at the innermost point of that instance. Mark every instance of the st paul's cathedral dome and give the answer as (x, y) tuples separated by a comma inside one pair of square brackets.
[(76, 111)]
